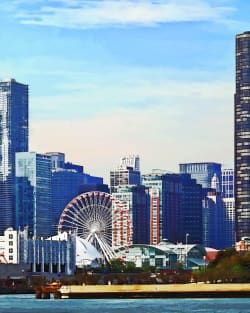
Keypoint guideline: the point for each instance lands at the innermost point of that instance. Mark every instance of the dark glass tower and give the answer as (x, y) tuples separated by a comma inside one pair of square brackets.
[(242, 135), (203, 172), (13, 138), (175, 208)]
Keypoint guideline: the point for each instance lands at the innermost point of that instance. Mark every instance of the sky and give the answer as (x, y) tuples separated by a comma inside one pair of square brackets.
[(110, 78)]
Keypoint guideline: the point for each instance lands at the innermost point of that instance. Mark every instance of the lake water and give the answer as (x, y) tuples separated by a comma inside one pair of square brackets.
[(28, 304)]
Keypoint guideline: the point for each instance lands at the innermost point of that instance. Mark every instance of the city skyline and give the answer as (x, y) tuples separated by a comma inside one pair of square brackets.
[(113, 78)]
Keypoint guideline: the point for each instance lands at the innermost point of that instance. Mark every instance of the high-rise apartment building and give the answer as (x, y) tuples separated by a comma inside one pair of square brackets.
[(33, 193), (175, 207), (242, 136), (127, 173), (130, 161), (229, 206), (229, 221), (13, 138), (138, 201), (228, 183)]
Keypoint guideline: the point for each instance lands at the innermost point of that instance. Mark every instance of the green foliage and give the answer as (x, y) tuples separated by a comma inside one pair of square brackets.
[(130, 267), (120, 266), (228, 266), (146, 268), (116, 266), (223, 254)]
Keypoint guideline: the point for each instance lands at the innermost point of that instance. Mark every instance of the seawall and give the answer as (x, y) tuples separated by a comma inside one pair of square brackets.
[(193, 290)]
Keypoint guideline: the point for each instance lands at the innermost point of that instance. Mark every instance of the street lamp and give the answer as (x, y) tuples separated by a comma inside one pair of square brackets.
[(204, 258), (186, 249)]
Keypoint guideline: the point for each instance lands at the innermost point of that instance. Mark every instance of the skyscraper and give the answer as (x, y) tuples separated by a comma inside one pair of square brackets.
[(203, 172), (175, 207), (13, 138), (228, 183), (127, 173), (130, 161), (242, 135), (138, 200), (229, 205), (68, 180), (33, 193)]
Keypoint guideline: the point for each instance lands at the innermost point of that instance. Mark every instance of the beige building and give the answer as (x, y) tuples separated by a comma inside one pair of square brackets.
[(9, 247)]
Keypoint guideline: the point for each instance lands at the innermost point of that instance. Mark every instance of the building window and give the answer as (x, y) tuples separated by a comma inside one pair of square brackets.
[(10, 243), (11, 257), (10, 236), (10, 250)]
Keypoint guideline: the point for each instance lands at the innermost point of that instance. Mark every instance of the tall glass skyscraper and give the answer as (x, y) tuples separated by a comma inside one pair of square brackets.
[(33, 193), (203, 172), (13, 138), (68, 180), (175, 207), (242, 136)]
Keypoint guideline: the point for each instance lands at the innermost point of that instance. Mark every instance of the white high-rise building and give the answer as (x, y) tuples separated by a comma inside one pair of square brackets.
[(9, 246), (127, 173), (130, 161)]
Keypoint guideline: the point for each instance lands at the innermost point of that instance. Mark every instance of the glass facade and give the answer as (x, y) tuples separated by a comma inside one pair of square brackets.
[(175, 207), (138, 199), (143, 255), (191, 210), (203, 172), (68, 181), (33, 193), (65, 186), (214, 221), (229, 205), (52, 255), (229, 208), (228, 183), (242, 136), (13, 138)]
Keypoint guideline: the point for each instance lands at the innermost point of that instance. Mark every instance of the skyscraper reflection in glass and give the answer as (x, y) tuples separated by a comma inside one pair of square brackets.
[(13, 138)]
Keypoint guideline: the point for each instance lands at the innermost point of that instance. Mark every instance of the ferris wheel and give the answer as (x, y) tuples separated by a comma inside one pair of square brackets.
[(90, 216)]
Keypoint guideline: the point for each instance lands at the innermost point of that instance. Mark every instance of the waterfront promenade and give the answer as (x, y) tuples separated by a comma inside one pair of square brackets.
[(192, 290)]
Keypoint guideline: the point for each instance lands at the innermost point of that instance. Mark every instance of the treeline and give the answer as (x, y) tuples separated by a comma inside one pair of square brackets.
[(228, 267)]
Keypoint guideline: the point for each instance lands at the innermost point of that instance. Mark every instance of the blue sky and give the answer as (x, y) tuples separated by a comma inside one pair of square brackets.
[(112, 78)]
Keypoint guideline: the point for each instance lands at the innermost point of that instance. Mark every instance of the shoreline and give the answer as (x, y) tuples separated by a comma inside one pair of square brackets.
[(191, 290), (9, 291)]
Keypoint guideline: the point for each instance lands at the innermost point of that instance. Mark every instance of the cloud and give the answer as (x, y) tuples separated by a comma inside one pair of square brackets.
[(98, 13), (180, 130), (81, 100)]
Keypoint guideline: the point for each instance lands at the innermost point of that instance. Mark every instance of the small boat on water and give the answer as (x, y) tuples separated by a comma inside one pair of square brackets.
[(44, 291)]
